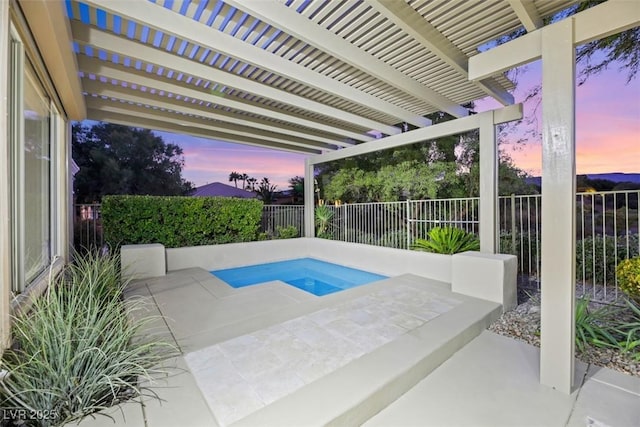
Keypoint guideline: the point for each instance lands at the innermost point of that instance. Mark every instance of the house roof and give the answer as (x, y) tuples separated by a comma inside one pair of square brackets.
[(218, 189), (307, 76)]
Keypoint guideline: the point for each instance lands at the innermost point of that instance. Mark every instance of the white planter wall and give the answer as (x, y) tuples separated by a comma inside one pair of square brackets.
[(486, 276), (386, 261)]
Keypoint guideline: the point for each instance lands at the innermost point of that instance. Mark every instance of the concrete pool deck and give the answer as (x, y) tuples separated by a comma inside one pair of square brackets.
[(491, 381), (246, 374), (252, 349)]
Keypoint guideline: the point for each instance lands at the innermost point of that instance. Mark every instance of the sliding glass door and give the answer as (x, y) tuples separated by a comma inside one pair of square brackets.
[(32, 170)]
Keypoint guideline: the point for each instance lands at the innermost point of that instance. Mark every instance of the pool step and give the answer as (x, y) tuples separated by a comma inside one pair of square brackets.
[(356, 392)]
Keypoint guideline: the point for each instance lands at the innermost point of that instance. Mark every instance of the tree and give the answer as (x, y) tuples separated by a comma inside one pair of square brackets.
[(511, 179), (443, 168), (266, 191), (251, 184), (388, 174), (234, 177), (244, 177), (622, 48), (296, 184), (116, 159), (584, 183), (363, 177)]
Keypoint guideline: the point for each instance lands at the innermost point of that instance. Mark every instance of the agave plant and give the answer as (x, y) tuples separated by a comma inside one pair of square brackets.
[(447, 240)]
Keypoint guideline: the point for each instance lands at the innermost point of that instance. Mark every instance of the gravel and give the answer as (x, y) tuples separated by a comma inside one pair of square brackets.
[(523, 323)]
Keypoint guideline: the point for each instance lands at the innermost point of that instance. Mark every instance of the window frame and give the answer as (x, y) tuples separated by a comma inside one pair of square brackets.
[(22, 67)]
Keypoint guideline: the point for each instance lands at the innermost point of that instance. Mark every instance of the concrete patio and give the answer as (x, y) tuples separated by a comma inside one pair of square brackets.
[(385, 354), (339, 94)]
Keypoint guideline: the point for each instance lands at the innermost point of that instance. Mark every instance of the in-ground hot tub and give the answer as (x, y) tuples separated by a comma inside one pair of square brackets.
[(311, 275), (385, 261)]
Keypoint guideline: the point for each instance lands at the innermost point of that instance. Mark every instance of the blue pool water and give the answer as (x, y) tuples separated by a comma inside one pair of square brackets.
[(311, 275)]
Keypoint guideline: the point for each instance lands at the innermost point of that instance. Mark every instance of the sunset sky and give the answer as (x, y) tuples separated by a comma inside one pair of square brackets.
[(607, 123), (607, 133)]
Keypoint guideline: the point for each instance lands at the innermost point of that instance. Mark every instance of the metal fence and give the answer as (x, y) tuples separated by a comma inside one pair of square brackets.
[(398, 224), (520, 231), (607, 231), (87, 227), (275, 218), (607, 225)]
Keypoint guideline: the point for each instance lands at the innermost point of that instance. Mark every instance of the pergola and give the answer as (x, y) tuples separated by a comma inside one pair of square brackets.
[(337, 78)]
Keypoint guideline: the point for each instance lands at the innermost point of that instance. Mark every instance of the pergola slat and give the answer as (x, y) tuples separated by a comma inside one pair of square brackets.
[(187, 29), (411, 22), (123, 46), (527, 13), (143, 79), (333, 73), (304, 29), (128, 120), (192, 117)]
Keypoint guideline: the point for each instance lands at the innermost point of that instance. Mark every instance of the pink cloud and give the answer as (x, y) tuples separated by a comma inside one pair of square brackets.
[(607, 128), (625, 157), (209, 161)]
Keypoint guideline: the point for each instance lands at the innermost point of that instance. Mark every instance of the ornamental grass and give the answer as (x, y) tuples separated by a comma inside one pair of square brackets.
[(78, 350)]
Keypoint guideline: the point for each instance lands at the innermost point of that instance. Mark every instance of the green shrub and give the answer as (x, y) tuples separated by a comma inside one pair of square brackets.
[(526, 249), (74, 353), (447, 240), (605, 250), (179, 221), (594, 326), (628, 272), (629, 332), (289, 232), (356, 236), (618, 329), (611, 326), (393, 239)]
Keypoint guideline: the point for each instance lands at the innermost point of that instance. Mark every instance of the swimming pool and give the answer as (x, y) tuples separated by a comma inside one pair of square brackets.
[(310, 275)]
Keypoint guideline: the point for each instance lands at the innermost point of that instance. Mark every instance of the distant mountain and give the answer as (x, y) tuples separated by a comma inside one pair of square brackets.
[(617, 177), (613, 176)]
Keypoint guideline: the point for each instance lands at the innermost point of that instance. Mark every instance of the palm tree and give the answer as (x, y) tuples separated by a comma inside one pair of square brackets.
[(251, 183), (265, 191), (244, 178), (234, 177)]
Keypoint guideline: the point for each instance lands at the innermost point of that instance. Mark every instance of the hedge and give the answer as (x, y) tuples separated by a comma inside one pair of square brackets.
[(179, 221)]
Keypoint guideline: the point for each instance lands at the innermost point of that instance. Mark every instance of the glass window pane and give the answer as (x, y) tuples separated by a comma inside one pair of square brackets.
[(36, 175)]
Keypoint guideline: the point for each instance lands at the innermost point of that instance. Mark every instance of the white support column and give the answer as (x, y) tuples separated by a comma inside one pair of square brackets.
[(558, 207), (5, 181), (309, 199), (488, 185)]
